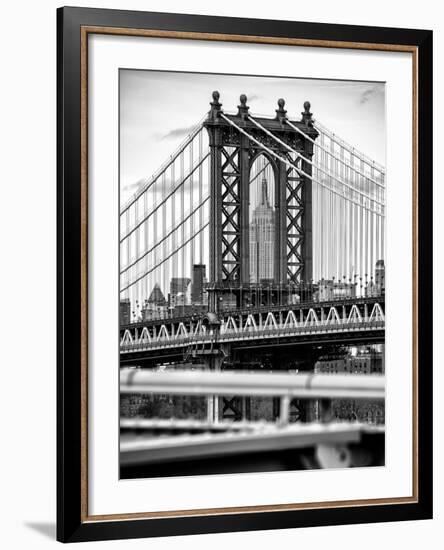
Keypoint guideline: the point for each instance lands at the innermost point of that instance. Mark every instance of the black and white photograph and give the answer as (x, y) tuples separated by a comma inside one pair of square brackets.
[(252, 262), (222, 272)]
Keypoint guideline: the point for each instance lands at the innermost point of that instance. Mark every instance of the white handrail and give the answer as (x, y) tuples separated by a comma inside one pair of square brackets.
[(302, 385)]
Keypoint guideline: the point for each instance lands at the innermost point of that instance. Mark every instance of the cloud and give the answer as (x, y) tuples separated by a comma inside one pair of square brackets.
[(158, 190), (252, 97), (368, 94), (178, 132), (133, 186)]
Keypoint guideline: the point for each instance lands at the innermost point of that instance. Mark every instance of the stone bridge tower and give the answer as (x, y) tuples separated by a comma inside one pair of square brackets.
[(232, 156)]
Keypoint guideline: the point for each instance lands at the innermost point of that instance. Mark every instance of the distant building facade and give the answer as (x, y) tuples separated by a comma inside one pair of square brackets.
[(179, 292), (156, 306), (377, 287), (125, 311), (368, 361), (198, 284)]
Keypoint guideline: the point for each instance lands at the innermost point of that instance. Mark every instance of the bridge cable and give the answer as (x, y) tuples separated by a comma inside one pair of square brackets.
[(339, 141), (165, 259), (164, 167), (170, 195), (293, 165), (305, 159), (342, 161), (165, 237)]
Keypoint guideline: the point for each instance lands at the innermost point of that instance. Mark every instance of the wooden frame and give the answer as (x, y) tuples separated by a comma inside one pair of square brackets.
[(73, 522)]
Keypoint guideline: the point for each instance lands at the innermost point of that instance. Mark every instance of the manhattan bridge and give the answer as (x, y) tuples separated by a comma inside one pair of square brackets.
[(256, 249)]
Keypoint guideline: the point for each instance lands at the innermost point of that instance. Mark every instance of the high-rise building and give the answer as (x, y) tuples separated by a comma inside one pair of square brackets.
[(179, 291), (197, 285), (262, 238), (156, 297), (380, 276), (156, 305), (125, 311), (376, 287)]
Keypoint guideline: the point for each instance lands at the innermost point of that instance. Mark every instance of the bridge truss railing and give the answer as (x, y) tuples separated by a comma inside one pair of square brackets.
[(244, 334), (235, 328)]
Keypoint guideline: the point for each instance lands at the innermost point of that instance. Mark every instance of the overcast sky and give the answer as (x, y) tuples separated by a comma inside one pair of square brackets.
[(159, 109)]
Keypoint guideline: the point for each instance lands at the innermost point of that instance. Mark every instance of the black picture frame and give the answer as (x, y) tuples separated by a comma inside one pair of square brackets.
[(72, 521)]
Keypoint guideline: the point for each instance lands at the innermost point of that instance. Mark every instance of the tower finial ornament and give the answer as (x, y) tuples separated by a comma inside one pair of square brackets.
[(281, 113), (243, 107), (215, 105), (306, 115)]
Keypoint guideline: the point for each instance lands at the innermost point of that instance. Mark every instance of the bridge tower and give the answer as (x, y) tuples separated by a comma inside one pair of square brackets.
[(232, 154)]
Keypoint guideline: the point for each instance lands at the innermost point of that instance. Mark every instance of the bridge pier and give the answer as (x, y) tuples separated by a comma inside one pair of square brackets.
[(215, 364)]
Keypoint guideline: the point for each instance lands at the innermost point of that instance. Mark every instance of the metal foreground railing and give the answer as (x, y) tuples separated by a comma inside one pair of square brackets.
[(198, 438)]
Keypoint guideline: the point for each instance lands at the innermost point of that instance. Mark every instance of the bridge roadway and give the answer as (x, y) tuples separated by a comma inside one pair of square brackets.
[(346, 322)]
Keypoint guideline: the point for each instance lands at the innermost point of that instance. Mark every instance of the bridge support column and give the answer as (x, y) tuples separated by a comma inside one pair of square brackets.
[(280, 251), (213, 409), (307, 198), (213, 400), (244, 192), (215, 361)]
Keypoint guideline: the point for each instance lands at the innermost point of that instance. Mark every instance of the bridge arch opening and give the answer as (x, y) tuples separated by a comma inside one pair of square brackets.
[(262, 221)]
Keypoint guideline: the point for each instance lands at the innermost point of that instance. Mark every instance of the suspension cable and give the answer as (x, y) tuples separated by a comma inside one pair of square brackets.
[(196, 130), (333, 137), (342, 161), (311, 162), (184, 180), (164, 237), (292, 165), (165, 259)]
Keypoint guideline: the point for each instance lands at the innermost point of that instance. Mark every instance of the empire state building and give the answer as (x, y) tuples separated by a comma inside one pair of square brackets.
[(262, 239)]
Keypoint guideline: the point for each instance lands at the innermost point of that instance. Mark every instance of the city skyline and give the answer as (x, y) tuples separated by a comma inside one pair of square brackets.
[(180, 296)]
